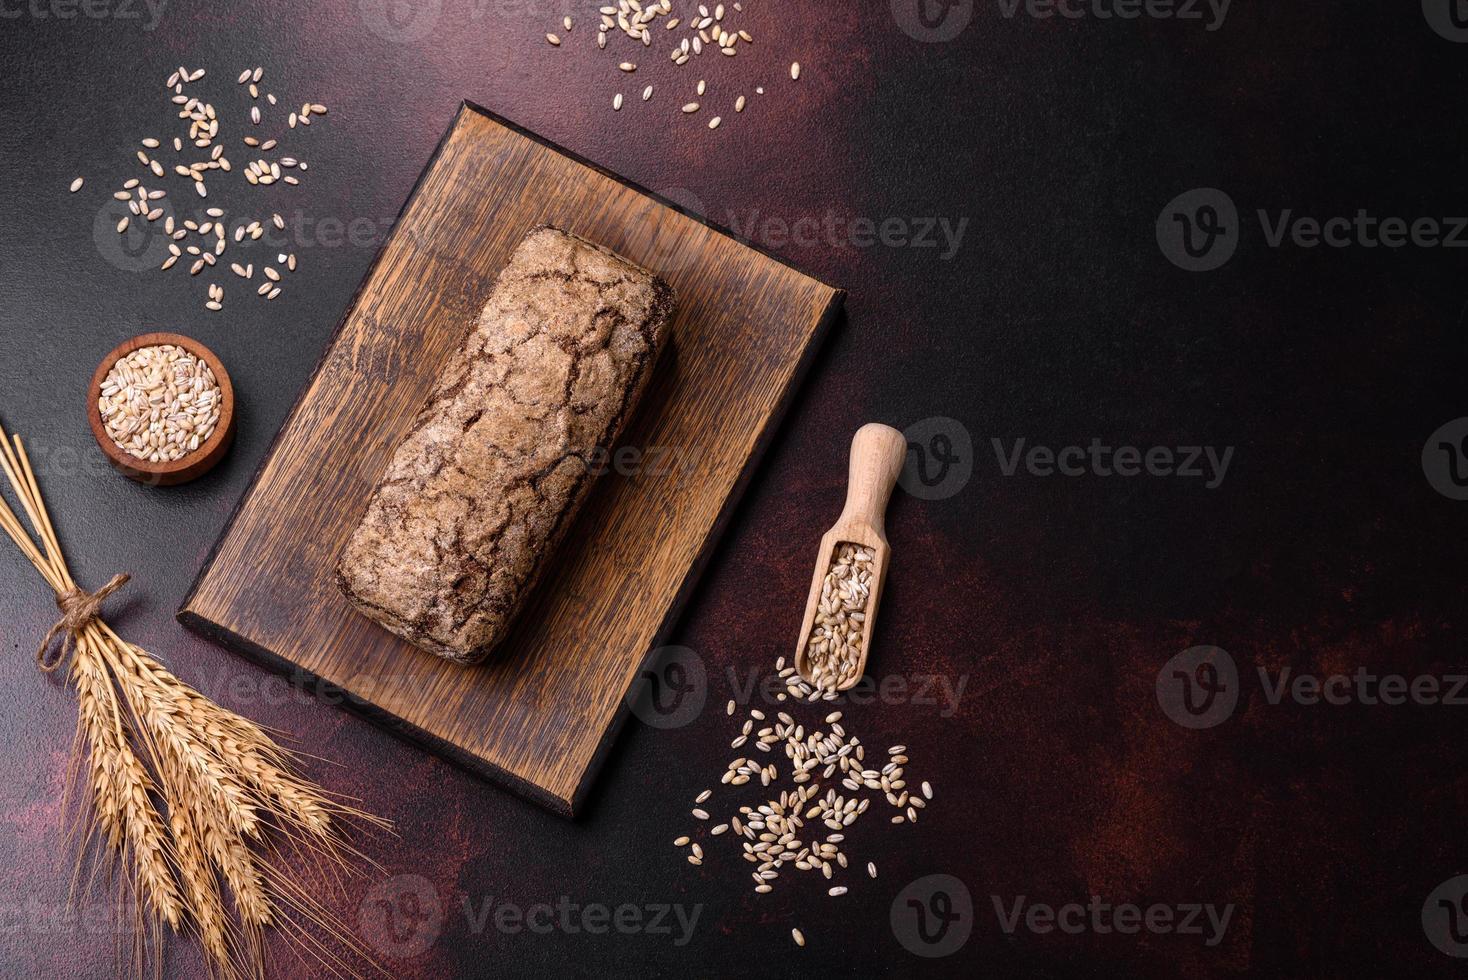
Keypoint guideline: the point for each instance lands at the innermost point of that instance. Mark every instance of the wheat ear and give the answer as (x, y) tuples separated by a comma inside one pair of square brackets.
[(154, 745)]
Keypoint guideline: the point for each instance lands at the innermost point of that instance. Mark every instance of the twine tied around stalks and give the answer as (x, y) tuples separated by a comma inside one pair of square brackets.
[(198, 811), (79, 609)]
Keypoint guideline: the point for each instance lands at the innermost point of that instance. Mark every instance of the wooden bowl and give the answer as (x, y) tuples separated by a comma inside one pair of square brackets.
[(196, 463)]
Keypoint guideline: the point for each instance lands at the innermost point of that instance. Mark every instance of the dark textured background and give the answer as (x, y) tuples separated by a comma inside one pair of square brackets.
[(1055, 600)]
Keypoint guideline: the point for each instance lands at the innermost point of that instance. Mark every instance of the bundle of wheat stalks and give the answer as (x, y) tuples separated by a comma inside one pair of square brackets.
[(182, 792)]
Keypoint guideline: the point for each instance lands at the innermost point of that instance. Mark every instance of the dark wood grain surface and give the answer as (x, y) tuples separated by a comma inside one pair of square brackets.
[(538, 715), (990, 191)]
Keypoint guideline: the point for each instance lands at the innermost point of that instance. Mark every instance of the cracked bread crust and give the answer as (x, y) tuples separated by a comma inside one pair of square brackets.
[(495, 465)]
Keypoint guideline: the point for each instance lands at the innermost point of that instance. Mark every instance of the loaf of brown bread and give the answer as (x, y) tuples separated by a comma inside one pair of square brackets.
[(495, 466)]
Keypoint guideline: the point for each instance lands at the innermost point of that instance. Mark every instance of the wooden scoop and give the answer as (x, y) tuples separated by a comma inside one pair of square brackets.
[(877, 454)]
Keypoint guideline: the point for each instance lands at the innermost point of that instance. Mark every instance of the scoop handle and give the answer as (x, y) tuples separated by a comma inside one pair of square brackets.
[(877, 454)]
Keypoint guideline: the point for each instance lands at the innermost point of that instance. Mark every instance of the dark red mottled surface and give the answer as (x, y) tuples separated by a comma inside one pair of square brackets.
[(1055, 601)]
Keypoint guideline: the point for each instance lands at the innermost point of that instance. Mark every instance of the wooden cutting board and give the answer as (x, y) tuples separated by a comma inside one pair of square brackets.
[(540, 714)]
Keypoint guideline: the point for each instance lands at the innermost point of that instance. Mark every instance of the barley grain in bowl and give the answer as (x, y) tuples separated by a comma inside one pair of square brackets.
[(161, 407), (158, 404)]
